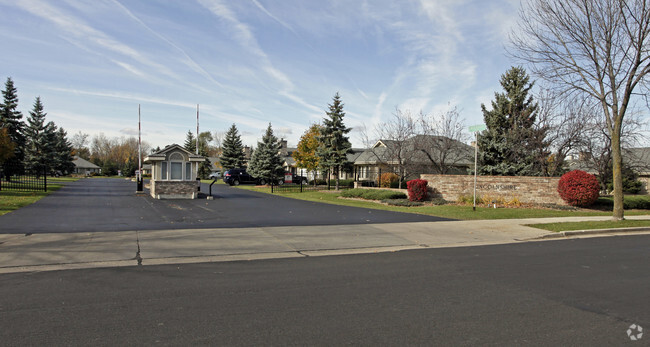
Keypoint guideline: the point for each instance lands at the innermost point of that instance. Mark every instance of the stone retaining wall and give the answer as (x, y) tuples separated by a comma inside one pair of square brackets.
[(174, 189), (526, 189)]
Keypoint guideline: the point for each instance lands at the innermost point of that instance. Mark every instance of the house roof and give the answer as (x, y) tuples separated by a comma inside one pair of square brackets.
[(383, 151), (162, 154), (82, 163)]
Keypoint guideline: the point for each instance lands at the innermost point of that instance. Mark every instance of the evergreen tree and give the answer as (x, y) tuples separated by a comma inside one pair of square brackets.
[(266, 164), (11, 119), (232, 155), (205, 168), (63, 152), (38, 152), (305, 155), (512, 145), (334, 144), (190, 142)]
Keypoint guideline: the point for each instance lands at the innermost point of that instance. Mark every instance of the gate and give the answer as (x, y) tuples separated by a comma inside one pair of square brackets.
[(18, 178)]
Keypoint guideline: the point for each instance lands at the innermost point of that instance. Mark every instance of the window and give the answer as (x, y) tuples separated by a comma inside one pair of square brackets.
[(188, 171), (163, 170), (177, 171)]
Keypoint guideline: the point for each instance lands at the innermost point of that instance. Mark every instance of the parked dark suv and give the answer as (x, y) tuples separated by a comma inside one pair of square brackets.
[(236, 176)]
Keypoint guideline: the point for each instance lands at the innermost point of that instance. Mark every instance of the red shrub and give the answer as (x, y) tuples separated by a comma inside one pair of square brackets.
[(417, 189), (578, 188)]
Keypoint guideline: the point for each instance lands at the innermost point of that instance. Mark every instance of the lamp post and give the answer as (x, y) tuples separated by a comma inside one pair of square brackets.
[(475, 129)]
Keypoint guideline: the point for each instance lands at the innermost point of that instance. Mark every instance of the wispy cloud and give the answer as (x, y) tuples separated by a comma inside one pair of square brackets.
[(190, 62), (125, 96), (83, 34), (281, 22)]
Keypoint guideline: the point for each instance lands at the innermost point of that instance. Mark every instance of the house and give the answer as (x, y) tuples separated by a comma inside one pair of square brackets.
[(173, 173), (84, 167), (420, 154)]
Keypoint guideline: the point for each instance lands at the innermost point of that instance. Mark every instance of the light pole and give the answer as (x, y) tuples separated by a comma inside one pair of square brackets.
[(475, 129)]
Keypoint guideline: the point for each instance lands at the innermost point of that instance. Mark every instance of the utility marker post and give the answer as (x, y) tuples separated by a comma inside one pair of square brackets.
[(475, 129)]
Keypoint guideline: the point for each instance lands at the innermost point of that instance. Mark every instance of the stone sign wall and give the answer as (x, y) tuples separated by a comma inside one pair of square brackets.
[(538, 190)]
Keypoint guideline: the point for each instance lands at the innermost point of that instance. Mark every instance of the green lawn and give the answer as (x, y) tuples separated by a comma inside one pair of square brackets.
[(568, 226), (11, 200), (446, 211)]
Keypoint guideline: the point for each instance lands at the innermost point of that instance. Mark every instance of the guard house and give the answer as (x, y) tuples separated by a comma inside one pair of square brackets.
[(173, 173)]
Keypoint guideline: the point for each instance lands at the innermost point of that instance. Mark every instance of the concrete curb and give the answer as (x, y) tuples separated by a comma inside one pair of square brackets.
[(577, 233)]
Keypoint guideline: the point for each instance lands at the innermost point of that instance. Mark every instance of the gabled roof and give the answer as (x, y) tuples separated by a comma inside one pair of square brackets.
[(162, 154), (383, 151), (82, 163)]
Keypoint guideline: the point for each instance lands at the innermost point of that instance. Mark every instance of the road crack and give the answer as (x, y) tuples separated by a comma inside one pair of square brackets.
[(138, 258)]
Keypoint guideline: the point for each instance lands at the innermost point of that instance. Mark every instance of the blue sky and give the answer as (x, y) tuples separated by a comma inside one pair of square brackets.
[(250, 62)]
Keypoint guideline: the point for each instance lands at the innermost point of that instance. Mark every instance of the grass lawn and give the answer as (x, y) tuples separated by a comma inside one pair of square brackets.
[(445, 211), (557, 227), (11, 200)]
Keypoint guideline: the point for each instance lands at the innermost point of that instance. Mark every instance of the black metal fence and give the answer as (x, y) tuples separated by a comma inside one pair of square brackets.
[(299, 188), (16, 178)]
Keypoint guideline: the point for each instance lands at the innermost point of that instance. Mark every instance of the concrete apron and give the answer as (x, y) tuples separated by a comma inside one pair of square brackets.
[(45, 252)]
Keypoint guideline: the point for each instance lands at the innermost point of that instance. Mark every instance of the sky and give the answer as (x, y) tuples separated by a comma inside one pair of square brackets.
[(251, 62)]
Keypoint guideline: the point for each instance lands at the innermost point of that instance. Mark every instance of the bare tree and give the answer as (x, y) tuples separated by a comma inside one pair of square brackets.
[(394, 148), (594, 47), (443, 140), (565, 123), (79, 145), (595, 146)]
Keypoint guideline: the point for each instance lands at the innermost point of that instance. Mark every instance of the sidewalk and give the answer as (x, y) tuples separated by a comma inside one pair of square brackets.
[(45, 252)]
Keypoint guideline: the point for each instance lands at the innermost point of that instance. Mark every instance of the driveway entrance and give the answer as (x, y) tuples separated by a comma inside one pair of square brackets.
[(102, 204)]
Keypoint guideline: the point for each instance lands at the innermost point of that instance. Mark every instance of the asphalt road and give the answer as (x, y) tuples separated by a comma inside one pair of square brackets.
[(573, 292), (90, 205)]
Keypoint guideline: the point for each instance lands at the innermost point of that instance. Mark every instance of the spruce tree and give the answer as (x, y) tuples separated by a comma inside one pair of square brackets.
[(190, 142), (38, 156), (11, 119), (266, 164), (334, 144), (512, 145), (63, 152), (232, 155)]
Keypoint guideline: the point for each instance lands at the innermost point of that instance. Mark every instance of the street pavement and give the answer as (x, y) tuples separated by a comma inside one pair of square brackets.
[(136, 237), (575, 292)]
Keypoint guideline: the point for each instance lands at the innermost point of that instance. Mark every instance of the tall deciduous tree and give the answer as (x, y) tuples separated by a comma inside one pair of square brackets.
[(6, 146), (597, 48), (79, 143), (232, 155), (266, 163), (511, 144), (334, 144), (305, 155), (11, 119), (444, 143)]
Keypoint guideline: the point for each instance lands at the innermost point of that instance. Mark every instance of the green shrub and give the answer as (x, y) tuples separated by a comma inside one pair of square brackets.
[(402, 202), (438, 201), (636, 202), (372, 194)]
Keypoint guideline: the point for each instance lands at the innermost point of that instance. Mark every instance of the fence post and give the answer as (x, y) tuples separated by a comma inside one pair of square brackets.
[(45, 179)]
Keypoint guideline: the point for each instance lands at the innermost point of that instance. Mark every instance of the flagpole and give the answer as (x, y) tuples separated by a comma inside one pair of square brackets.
[(139, 175)]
